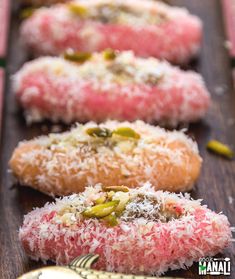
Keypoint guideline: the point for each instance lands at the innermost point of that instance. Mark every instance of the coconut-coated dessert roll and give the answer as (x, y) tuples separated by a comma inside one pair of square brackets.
[(138, 231), (112, 153), (149, 28), (109, 85)]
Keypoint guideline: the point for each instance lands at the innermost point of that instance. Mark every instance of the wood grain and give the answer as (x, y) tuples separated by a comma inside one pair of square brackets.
[(2, 77), (216, 185)]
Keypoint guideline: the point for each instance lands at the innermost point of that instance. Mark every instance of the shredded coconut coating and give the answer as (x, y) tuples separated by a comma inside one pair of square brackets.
[(127, 88), (176, 38), (65, 163), (138, 246)]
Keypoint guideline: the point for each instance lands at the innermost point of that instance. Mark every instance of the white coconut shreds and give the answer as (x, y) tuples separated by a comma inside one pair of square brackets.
[(130, 12), (124, 69), (148, 135), (70, 208), (121, 13), (139, 246)]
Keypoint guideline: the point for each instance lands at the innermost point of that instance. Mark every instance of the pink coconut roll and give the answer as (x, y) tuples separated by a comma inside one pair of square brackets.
[(155, 232), (4, 16), (125, 88), (146, 27)]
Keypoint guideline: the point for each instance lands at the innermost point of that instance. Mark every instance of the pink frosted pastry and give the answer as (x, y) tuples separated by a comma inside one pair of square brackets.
[(43, 2), (137, 231), (110, 86), (149, 28)]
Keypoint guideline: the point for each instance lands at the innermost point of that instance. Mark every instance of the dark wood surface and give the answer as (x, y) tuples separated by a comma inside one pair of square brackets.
[(216, 185)]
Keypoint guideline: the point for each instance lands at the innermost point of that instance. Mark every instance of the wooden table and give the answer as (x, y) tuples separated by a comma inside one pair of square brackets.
[(2, 76), (216, 184)]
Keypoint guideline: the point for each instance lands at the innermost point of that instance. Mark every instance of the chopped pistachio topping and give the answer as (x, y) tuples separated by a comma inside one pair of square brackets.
[(220, 148), (77, 9), (99, 132), (112, 204), (117, 13), (109, 54), (101, 210), (124, 69), (106, 133), (111, 220), (123, 198), (153, 79), (148, 207), (115, 188), (110, 195), (27, 12), (109, 205), (78, 57), (101, 200), (126, 132), (94, 138)]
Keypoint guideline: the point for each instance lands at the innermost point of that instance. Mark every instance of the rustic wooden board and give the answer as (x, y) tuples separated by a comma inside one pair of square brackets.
[(216, 184), (2, 79)]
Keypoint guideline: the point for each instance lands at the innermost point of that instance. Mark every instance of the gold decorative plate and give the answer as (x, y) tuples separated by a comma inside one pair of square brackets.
[(79, 268)]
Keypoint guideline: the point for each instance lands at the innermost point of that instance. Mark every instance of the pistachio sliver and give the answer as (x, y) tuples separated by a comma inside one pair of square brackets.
[(110, 194), (99, 132), (115, 188), (78, 57), (123, 199), (220, 148), (109, 54), (27, 12), (100, 200), (111, 220), (101, 210), (77, 9), (126, 132)]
